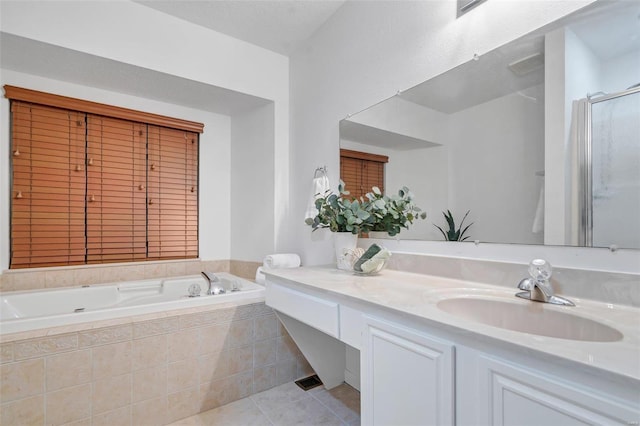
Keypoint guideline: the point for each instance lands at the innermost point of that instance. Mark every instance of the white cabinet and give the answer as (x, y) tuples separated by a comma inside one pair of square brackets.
[(407, 376), (497, 392)]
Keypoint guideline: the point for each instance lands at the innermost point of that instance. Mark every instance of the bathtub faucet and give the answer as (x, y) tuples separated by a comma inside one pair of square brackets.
[(213, 281)]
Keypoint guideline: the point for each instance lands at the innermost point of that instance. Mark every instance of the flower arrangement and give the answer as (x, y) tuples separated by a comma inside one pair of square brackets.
[(375, 212)]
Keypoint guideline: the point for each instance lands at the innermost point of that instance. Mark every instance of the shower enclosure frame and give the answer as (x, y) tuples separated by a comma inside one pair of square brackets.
[(586, 165)]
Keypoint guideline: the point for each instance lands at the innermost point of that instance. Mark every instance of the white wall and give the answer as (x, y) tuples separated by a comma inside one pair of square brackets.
[(364, 54), (134, 34), (252, 202)]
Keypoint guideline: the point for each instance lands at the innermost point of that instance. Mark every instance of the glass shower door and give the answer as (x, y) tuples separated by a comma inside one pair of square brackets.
[(615, 170)]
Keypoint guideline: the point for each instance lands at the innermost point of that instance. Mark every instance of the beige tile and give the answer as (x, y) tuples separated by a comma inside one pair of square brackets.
[(6, 352), (261, 309), (343, 401), (61, 278), (89, 275), (182, 404), (243, 384), (240, 359), (266, 327), (27, 280), (242, 412), (68, 405), (264, 352), (214, 338), (155, 327), (83, 422), (307, 411), (241, 333), (21, 379), (264, 378), (149, 352), (104, 336), (278, 395), (244, 269), (69, 369), (27, 412), (286, 349), (128, 273), (119, 417), (155, 270), (182, 375), (45, 346), (216, 265), (111, 360), (213, 366), (215, 393), (111, 393), (149, 383), (175, 269), (183, 344), (152, 412), (286, 371), (193, 267)]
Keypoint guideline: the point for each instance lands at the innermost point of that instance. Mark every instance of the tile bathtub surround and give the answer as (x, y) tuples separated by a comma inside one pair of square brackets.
[(149, 372), (286, 405), (70, 276), (608, 287)]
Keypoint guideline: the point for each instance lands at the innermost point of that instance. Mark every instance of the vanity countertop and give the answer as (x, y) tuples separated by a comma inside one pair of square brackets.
[(417, 295)]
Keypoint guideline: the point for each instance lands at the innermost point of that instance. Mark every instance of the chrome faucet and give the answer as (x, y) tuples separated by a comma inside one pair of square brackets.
[(213, 280), (537, 287)]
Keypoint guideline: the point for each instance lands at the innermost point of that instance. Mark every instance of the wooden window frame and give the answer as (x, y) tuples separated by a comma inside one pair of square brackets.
[(362, 158)]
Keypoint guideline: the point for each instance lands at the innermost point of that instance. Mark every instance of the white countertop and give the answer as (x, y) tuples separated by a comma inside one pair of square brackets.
[(417, 295)]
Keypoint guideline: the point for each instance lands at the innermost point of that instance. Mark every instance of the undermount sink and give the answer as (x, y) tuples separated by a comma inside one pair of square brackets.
[(532, 318)]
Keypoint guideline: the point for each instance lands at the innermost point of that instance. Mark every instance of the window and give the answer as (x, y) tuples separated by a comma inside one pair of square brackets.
[(92, 188), (361, 171)]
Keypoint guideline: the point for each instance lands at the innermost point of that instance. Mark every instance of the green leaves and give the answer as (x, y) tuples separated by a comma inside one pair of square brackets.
[(453, 234), (374, 212)]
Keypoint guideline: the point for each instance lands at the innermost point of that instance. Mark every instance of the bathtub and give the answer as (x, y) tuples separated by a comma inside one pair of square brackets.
[(32, 310)]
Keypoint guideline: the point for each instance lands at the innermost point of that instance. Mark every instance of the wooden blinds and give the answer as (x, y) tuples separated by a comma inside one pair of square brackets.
[(47, 224), (173, 193), (94, 189), (116, 190), (361, 171)]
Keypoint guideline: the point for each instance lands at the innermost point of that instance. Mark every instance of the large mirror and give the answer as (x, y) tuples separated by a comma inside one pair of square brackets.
[(539, 140)]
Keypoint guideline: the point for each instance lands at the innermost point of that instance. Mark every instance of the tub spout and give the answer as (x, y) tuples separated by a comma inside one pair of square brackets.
[(213, 282)]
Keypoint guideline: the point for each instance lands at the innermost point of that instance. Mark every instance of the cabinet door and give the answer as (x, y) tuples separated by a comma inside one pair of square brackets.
[(517, 396), (407, 377)]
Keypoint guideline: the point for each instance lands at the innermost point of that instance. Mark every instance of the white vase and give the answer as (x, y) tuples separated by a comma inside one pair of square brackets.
[(345, 244), (381, 235)]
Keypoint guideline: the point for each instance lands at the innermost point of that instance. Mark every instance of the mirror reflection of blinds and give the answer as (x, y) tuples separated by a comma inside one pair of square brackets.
[(361, 171), (47, 205), (84, 190)]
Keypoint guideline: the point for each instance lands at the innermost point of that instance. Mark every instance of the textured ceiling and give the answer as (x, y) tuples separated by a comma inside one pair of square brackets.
[(278, 25)]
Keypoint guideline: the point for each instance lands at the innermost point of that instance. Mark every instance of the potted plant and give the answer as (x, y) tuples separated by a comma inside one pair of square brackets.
[(391, 214), (345, 218), (452, 233)]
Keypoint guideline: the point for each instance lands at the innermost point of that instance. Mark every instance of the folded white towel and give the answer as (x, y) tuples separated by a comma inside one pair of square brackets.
[(283, 260), (260, 278), (320, 188)]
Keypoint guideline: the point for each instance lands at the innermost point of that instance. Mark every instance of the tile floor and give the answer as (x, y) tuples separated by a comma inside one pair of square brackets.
[(285, 405)]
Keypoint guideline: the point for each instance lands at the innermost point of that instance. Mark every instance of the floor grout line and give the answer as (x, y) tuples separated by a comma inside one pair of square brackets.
[(261, 411)]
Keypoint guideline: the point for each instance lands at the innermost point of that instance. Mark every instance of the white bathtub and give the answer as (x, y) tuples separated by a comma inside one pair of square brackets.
[(31, 310)]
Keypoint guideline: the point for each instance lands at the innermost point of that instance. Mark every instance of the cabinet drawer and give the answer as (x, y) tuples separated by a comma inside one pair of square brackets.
[(311, 310)]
